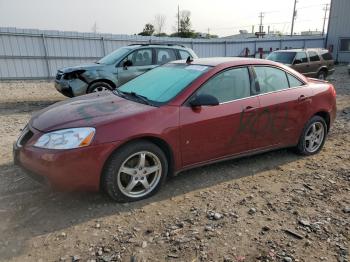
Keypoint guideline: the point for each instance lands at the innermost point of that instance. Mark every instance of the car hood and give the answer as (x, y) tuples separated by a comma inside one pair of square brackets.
[(81, 67), (86, 111)]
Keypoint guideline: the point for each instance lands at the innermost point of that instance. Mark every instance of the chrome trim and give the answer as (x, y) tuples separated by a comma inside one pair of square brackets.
[(289, 88)]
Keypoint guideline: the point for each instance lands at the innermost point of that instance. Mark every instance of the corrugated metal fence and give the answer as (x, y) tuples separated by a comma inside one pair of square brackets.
[(37, 54)]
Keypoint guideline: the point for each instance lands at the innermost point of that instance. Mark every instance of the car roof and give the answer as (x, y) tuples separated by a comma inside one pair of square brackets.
[(174, 46), (301, 50), (229, 61)]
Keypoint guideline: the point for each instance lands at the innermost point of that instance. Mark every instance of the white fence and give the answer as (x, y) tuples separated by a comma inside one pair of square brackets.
[(37, 54)]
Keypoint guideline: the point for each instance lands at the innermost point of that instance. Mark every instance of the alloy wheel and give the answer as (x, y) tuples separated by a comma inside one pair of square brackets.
[(139, 174), (314, 137), (100, 89)]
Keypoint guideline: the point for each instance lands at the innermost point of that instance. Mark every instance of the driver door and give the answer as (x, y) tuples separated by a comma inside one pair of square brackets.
[(140, 61), (213, 132)]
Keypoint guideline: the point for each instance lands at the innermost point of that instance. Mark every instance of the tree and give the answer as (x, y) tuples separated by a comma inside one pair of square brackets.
[(148, 30), (159, 22), (185, 25)]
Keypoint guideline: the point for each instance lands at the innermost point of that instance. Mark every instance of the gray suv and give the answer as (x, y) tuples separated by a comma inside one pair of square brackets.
[(117, 68), (311, 62)]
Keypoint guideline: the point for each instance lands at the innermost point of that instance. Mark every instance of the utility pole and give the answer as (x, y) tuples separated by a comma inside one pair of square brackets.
[(294, 15), (261, 27), (324, 19), (178, 19)]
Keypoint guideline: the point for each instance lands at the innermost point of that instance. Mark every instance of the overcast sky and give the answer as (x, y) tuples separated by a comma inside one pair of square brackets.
[(222, 17)]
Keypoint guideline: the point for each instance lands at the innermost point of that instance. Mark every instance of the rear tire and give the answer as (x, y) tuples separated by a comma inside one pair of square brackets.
[(136, 171), (99, 87), (322, 75), (313, 136)]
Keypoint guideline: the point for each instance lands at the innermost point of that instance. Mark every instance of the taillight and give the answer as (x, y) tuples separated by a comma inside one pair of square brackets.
[(334, 93)]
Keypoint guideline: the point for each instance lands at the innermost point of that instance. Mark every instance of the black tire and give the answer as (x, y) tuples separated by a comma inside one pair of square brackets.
[(99, 86), (111, 181), (322, 74), (302, 147)]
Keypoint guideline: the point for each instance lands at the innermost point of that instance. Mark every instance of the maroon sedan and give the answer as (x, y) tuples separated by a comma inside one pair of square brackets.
[(175, 117)]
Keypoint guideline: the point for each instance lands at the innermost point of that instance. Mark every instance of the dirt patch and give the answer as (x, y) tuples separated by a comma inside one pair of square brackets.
[(272, 207)]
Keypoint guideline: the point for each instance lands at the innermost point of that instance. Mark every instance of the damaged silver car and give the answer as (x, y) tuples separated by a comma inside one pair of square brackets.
[(117, 68)]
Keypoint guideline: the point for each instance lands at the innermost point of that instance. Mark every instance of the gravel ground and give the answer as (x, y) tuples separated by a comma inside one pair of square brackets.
[(273, 207)]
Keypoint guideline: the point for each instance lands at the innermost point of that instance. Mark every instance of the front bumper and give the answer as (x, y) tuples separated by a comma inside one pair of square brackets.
[(71, 88), (65, 170)]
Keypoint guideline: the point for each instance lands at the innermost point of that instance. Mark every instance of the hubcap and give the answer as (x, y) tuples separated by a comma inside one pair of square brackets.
[(100, 89), (314, 137), (139, 174)]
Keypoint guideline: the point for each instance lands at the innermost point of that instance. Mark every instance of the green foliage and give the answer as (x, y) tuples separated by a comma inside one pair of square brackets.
[(148, 30)]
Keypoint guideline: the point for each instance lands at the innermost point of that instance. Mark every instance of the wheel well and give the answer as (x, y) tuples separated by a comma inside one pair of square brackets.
[(103, 80), (324, 69), (326, 117), (155, 140)]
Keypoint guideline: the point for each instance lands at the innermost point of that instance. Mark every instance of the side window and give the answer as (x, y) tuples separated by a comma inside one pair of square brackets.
[(228, 85), (301, 56), (142, 57), (184, 54), (313, 56), (327, 56), (270, 79), (165, 55), (294, 82)]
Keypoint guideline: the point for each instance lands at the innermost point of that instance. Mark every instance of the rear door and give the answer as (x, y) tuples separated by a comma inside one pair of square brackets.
[(212, 132), (301, 63), (284, 104), (140, 60), (315, 63), (165, 55)]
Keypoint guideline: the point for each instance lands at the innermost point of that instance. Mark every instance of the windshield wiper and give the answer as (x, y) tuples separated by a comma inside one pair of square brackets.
[(144, 99)]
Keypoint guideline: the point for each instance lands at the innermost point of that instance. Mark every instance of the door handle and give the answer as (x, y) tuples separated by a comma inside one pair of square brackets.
[(249, 109), (303, 98)]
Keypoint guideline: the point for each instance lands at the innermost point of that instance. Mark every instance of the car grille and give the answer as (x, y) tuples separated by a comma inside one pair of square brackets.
[(59, 75), (24, 137)]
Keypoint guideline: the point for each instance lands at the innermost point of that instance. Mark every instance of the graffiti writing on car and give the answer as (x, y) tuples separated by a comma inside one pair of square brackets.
[(85, 110), (258, 123)]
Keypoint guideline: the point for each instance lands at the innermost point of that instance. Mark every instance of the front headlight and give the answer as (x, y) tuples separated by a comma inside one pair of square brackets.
[(67, 138)]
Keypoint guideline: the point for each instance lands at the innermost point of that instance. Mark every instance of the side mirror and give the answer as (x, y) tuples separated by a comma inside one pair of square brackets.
[(297, 61), (204, 100), (126, 64)]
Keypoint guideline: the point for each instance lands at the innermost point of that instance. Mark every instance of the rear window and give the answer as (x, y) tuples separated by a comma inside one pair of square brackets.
[(327, 56), (282, 57), (184, 54)]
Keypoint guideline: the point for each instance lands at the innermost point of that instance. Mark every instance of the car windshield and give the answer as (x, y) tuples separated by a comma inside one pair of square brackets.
[(282, 57), (163, 83), (111, 58)]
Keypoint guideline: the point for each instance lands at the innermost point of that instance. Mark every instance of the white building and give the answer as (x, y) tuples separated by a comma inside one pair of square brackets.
[(338, 37)]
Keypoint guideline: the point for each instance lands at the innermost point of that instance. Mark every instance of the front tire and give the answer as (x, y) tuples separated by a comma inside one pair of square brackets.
[(313, 136), (99, 87), (134, 172)]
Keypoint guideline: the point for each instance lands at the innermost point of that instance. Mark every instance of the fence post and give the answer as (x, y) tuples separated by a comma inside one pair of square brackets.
[(103, 46), (45, 56), (225, 48), (304, 43)]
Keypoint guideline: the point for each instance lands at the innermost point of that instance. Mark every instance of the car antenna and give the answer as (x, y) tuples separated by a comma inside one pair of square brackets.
[(189, 60)]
